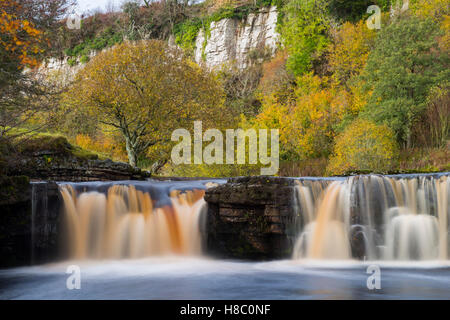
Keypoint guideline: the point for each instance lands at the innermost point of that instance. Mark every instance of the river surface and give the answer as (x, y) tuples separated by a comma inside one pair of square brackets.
[(201, 278)]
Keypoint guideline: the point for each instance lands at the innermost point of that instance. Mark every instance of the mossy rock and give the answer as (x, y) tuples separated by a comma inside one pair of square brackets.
[(46, 145)]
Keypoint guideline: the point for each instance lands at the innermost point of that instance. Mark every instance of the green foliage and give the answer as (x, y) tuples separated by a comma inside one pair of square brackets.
[(72, 61), (304, 33), (84, 59), (363, 146), (106, 39), (405, 63), (186, 32), (213, 170)]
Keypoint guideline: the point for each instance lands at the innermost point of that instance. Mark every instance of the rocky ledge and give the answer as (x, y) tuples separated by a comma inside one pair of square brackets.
[(251, 218), (54, 158)]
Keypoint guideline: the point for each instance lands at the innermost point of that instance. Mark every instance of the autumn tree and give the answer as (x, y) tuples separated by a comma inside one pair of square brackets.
[(308, 120), (22, 93), (349, 51), (144, 90), (363, 146)]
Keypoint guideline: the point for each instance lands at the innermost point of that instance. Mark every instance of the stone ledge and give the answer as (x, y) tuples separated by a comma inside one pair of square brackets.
[(251, 218)]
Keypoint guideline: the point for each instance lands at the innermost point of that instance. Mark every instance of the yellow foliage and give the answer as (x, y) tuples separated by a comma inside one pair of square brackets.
[(103, 144), (436, 9), (307, 124), (350, 50), (143, 91), (363, 146)]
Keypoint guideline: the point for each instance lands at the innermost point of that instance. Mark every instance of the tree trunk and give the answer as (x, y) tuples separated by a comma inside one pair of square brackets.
[(132, 154)]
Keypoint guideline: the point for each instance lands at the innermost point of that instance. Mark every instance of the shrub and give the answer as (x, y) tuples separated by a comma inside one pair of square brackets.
[(84, 59), (72, 61), (363, 147)]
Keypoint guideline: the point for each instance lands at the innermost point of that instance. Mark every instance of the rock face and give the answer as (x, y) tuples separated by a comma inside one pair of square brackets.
[(29, 222), (15, 221), (229, 40), (251, 218), (232, 40)]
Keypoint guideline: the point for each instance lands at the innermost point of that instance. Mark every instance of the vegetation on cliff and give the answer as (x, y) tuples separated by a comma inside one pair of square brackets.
[(345, 98)]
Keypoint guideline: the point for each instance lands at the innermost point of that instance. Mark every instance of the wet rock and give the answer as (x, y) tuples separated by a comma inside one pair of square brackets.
[(251, 218), (28, 229), (358, 241)]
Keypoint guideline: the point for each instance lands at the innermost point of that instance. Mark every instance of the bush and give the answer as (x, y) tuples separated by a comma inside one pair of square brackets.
[(84, 59), (363, 147), (72, 61)]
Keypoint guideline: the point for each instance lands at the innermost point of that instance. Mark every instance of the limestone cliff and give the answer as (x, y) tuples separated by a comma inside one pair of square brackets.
[(231, 40), (228, 40)]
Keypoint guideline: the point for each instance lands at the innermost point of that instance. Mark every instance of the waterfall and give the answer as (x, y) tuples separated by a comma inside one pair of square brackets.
[(124, 222), (374, 218)]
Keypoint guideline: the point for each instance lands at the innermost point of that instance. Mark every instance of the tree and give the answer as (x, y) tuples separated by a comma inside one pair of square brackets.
[(240, 84), (350, 50), (405, 63), (145, 90), (304, 33), (436, 9), (363, 146), (23, 94), (433, 128), (308, 120)]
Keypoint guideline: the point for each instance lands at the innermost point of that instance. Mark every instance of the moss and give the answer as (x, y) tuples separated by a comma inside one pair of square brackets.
[(85, 154), (50, 147)]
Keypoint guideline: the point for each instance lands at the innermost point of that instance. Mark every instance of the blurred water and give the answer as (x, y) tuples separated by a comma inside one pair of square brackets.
[(194, 278)]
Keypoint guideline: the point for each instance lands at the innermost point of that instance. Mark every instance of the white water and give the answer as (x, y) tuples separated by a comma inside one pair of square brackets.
[(401, 218)]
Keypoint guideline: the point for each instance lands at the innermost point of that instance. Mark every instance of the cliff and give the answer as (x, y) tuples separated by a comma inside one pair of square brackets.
[(227, 40), (232, 40)]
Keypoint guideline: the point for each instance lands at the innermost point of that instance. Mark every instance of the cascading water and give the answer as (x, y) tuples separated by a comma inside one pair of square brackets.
[(123, 222), (366, 217), (385, 217)]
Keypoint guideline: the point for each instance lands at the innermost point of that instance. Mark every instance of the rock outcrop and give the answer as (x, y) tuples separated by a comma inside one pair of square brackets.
[(232, 40), (29, 221), (54, 158), (252, 218)]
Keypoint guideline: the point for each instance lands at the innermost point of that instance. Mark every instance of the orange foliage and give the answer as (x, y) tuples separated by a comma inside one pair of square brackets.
[(307, 123), (102, 144), (275, 77), (19, 37)]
